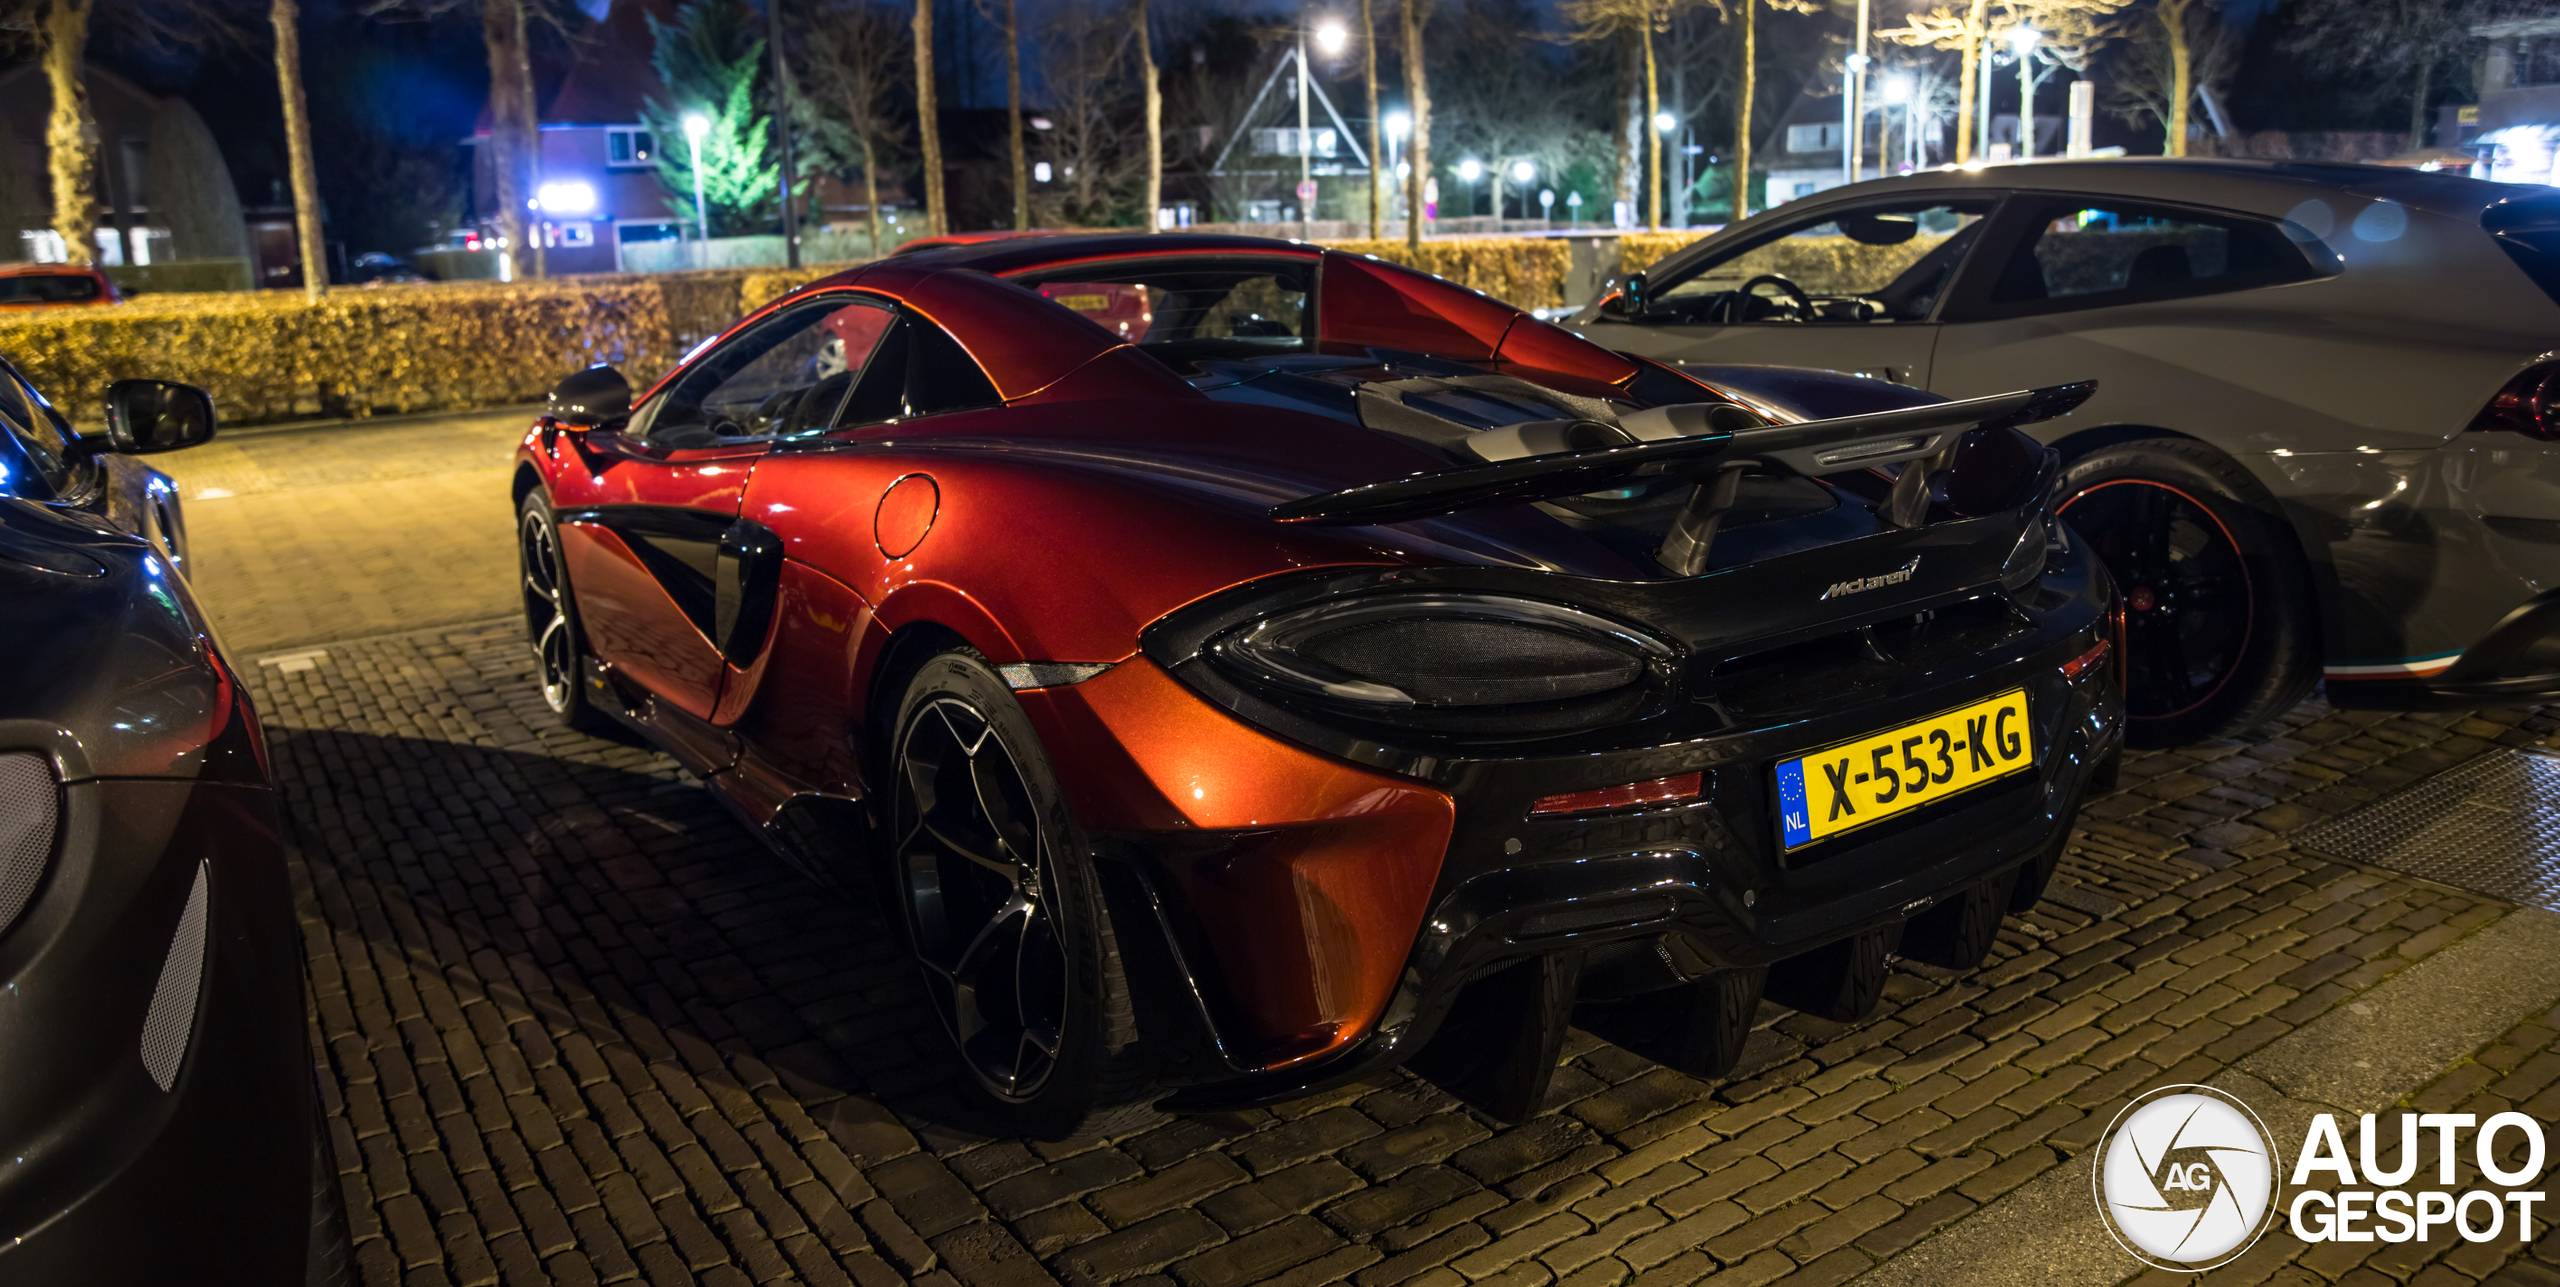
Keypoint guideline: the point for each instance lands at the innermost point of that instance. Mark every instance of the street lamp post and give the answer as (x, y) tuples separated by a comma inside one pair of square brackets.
[(1897, 90), (695, 127), (1330, 37), (2023, 39), (1469, 171), (1521, 173)]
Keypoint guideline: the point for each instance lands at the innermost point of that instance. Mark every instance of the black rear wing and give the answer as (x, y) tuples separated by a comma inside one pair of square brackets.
[(1810, 448)]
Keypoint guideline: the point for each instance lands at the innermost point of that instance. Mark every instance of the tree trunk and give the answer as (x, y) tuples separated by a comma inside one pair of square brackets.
[(937, 219), (1742, 111), (2173, 15), (1976, 21), (1377, 159), (1013, 112), (71, 134), (1630, 98), (297, 138), (504, 34), (529, 134), (2418, 107), (1155, 121), (1652, 125), (871, 189), (1417, 89)]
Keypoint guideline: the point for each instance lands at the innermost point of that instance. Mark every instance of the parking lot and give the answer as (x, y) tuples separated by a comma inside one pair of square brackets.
[(575, 1025)]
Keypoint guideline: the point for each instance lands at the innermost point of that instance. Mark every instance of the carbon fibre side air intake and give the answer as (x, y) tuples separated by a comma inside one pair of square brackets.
[(30, 821), (171, 1022)]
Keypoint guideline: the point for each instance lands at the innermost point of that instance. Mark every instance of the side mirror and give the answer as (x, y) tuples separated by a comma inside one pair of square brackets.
[(1631, 297), (144, 416), (594, 397)]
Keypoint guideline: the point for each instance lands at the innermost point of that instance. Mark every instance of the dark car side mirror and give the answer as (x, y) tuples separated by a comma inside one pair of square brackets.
[(591, 398), (1631, 297), (144, 416)]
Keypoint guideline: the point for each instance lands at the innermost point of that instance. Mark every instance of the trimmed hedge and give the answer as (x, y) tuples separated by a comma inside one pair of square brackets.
[(273, 355), (1640, 251), (276, 355), (1524, 272)]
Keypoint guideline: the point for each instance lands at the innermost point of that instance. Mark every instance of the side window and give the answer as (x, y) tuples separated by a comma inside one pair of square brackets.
[(1880, 263), (918, 370), (788, 375), (2082, 256)]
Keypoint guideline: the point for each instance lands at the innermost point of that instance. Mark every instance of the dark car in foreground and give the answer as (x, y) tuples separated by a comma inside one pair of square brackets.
[(1343, 670), (2326, 437), (156, 1103)]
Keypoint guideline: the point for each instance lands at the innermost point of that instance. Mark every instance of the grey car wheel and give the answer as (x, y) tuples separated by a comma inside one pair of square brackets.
[(2220, 630), (551, 618)]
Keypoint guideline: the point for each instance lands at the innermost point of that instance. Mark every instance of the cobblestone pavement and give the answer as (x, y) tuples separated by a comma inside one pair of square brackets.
[(295, 538), (575, 1027)]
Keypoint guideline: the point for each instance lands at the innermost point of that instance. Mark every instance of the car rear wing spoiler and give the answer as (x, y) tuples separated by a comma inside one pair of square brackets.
[(1810, 448)]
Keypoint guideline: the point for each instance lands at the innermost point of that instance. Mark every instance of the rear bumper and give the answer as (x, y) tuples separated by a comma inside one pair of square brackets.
[(1291, 920), (114, 1179)]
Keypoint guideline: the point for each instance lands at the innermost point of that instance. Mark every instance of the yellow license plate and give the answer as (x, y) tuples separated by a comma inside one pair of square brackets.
[(1867, 780)]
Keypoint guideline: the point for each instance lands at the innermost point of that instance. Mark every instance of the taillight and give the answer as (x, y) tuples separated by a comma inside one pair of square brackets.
[(2529, 405)]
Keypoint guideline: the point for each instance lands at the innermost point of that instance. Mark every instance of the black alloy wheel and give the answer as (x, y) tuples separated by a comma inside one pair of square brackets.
[(1002, 910), (2220, 632), (551, 617)]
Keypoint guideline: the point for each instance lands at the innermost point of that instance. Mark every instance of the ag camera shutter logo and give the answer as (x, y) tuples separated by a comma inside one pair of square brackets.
[(2188, 1178)]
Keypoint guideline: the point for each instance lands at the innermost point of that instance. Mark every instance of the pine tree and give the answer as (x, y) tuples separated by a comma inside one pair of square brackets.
[(710, 65)]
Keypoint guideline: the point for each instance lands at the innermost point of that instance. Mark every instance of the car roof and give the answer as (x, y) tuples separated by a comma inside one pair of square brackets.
[(2198, 179)]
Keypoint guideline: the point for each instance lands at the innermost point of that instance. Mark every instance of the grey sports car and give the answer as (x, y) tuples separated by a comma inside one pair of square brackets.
[(2326, 436)]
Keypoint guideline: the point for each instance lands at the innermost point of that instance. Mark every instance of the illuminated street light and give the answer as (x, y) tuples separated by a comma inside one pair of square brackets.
[(1665, 122), (696, 125), (1398, 125), (1470, 170), (2023, 39), (1896, 89), (1331, 37), (1522, 172)]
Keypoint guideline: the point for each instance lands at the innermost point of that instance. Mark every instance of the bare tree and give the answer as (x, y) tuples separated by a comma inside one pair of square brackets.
[(1085, 60), (2174, 48), (1153, 92), (1417, 90), (1012, 24), (928, 125), (2395, 39), (1369, 81), (71, 132), (854, 70), (1639, 20), (286, 18)]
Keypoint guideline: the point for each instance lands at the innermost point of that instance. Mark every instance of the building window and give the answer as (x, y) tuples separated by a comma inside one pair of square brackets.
[(1814, 138), (630, 147)]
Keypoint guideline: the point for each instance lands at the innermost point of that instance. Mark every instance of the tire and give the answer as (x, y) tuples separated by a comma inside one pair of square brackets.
[(1958, 933), (551, 619), (331, 1260), (1003, 913), (2221, 631)]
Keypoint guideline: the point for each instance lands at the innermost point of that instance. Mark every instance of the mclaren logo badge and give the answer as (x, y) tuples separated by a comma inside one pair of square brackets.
[(1855, 585)]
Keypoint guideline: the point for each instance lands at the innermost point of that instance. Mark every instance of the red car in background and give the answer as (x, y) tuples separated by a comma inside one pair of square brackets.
[(55, 286), (1332, 669)]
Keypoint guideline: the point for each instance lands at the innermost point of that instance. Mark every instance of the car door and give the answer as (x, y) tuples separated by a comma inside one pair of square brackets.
[(1852, 288), (643, 534)]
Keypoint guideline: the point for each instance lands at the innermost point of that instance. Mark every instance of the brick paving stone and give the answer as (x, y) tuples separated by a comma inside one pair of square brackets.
[(576, 1026)]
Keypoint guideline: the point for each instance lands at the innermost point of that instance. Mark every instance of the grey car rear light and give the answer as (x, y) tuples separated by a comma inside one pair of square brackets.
[(171, 1022), (30, 819)]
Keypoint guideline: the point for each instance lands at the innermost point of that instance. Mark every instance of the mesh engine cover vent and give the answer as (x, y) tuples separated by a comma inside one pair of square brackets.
[(30, 819), (171, 1021)]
